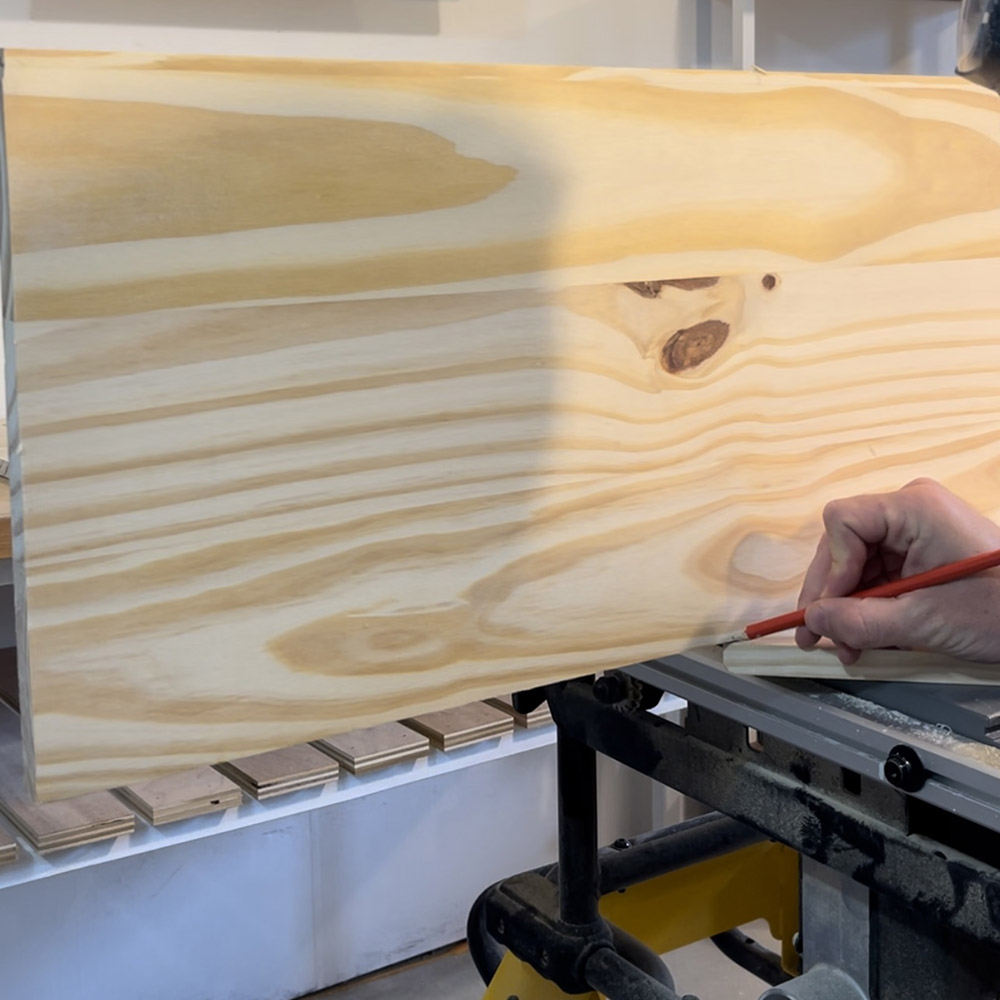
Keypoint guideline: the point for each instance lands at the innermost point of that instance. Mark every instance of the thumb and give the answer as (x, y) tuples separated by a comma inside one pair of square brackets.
[(862, 623)]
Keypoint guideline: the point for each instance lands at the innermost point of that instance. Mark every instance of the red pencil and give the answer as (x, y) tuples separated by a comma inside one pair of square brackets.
[(919, 581)]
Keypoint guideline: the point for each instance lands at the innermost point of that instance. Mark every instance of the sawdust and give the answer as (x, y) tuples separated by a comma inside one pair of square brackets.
[(937, 734)]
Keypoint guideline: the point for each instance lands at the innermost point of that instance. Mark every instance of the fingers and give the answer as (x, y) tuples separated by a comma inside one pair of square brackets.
[(873, 538), (855, 529), (865, 537), (870, 623)]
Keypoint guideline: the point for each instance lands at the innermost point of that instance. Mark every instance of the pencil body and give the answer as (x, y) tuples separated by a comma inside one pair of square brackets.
[(919, 581)]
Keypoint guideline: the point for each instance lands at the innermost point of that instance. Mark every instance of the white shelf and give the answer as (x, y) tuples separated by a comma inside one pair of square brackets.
[(30, 866)]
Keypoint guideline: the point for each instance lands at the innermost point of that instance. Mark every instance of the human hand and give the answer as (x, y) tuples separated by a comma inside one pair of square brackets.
[(871, 540)]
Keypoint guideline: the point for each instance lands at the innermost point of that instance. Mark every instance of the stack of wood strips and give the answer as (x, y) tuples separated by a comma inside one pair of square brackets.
[(182, 796), (540, 716), (73, 822), (452, 728), (279, 772), (365, 750)]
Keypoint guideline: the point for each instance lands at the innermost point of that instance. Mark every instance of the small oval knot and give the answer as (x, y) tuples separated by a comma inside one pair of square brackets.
[(691, 347)]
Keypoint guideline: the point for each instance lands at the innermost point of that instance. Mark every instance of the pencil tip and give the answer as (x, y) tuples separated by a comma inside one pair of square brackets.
[(735, 637)]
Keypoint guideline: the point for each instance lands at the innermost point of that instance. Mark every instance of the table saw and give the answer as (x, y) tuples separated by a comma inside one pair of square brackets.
[(886, 794)]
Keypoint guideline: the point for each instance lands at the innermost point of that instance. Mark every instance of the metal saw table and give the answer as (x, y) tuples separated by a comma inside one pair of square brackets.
[(895, 822)]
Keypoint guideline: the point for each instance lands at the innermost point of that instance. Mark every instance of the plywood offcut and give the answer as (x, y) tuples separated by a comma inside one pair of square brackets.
[(79, 820), (364, 750), (279, 772), (457, 727), (182, 796)]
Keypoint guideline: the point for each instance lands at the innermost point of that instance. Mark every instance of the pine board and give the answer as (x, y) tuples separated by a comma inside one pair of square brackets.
[(364, 750), (248, 516), (775, 658), (133, 177), (55, 826), (452, 728), (281, 771), (307, 567), (182, 796)]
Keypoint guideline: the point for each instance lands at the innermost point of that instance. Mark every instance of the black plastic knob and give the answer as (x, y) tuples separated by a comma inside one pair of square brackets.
[(611, 688), (904, 769)]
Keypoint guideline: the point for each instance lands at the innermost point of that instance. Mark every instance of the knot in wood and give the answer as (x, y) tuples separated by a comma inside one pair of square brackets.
[(693, 346)]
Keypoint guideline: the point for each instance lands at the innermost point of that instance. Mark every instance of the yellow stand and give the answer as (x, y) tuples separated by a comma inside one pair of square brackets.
[(688, 905)]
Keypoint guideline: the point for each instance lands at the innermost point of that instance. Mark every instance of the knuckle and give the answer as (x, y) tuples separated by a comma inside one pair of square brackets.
[(923, 482), (833, 512)]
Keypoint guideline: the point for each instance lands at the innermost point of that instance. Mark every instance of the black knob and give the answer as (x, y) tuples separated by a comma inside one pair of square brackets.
[(610, 688), (903, 769)]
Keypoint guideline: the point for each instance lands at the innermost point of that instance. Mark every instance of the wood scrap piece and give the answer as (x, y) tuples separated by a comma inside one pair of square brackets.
[(458, 727), (182, 796), (278, 772), (364, 750), (772, 657), (73, 822), (541, 716)]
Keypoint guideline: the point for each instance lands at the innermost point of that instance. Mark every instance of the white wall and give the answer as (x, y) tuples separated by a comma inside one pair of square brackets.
[(831, 35)]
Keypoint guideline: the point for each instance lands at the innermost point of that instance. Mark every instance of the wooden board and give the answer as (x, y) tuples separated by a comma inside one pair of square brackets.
[(279, 772), (309, 567), (182, 796), (776, 658), (452, 728), (541, 716), (74, 822), (246, 516), (364, 750), (143, 182)]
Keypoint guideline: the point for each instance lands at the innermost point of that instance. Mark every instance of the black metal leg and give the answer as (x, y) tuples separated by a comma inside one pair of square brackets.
[(579, 873)]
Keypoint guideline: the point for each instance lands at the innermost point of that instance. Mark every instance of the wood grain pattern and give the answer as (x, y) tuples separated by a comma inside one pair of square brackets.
[(182, 796), (234, 539), (278, 772), (246, 515), (463, 725), (142, 182), (364, 750), (80, 820), (777, 658)]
